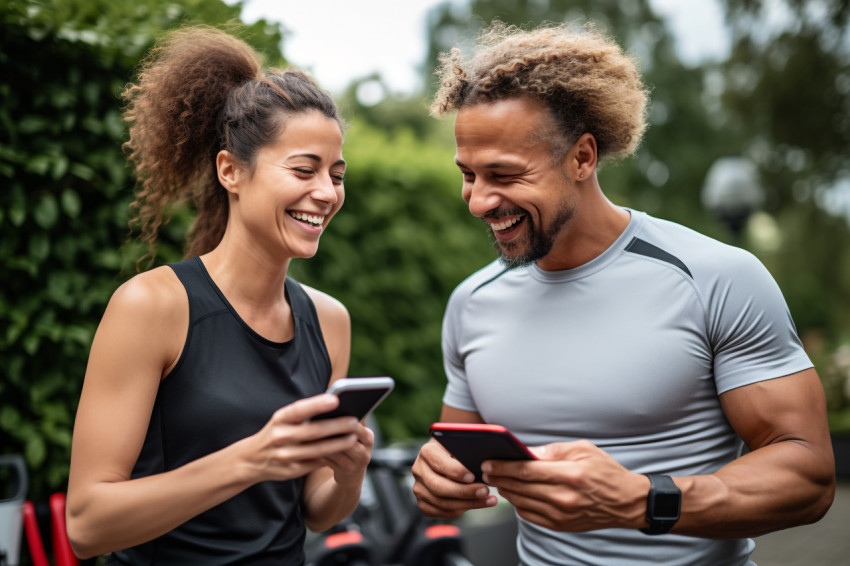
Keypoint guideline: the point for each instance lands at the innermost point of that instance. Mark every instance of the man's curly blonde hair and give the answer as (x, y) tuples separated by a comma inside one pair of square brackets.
[(582, 77)]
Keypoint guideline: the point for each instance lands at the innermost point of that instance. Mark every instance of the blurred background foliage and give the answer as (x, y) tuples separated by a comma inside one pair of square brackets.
[(404, 238)]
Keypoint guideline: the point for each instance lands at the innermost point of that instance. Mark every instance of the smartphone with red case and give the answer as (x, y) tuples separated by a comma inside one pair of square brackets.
[(472, 443)]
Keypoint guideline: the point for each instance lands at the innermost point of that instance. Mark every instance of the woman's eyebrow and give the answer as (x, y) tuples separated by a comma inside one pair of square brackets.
[(314, 157)]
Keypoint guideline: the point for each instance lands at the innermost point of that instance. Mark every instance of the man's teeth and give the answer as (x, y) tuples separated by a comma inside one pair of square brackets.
[(505, 224), (312, 219)]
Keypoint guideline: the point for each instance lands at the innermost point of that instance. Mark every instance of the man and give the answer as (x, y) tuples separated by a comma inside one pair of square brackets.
[(635, 356)]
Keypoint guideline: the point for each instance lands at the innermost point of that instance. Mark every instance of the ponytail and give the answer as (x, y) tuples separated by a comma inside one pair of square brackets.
[(201, 91)]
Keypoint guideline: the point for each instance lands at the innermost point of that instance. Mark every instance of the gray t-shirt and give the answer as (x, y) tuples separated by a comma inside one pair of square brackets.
[(630, 351)]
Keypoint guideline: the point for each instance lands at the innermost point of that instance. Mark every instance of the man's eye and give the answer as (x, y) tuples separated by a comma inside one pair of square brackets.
[(467, 176)]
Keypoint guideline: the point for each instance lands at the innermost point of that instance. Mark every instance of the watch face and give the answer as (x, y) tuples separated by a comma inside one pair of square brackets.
[(666, 506)]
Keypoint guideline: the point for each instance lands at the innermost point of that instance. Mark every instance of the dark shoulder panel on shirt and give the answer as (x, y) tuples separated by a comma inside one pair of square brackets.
[(644, 248)]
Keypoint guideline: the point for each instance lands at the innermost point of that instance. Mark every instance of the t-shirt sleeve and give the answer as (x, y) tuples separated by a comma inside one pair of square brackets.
[(752, 334), (457, 394)]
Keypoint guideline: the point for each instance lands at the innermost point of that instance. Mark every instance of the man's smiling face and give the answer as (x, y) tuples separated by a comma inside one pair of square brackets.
[(510, 178)]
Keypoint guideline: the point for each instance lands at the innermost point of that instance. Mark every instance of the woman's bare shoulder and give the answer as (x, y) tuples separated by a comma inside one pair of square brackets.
[(326, 305), (151, 295)]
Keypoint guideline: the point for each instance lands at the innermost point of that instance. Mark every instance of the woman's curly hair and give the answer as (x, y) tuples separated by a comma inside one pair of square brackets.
[(582, 76), (200, 91)]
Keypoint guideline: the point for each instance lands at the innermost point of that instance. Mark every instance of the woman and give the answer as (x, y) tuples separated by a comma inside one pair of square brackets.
[(193, 442)]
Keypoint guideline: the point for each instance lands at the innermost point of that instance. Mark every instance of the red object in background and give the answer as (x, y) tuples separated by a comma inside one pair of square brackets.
[(62, 553)]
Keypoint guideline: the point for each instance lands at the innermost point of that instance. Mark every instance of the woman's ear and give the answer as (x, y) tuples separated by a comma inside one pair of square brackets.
[(228, 170)]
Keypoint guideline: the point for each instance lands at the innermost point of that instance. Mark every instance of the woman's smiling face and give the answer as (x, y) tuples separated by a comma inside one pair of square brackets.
[(295, 188)]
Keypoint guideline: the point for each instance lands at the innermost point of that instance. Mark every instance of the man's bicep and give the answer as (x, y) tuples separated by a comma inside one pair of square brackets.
[(452, 415), (792, 407)]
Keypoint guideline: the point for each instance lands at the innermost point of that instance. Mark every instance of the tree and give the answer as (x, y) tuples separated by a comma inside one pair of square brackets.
[(786, 90)]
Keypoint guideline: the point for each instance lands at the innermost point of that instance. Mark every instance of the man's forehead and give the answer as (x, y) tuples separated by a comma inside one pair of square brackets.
[(501, 131)]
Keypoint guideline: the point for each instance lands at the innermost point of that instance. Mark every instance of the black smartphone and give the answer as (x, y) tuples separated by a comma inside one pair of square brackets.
[(472, 443), (358, 396)]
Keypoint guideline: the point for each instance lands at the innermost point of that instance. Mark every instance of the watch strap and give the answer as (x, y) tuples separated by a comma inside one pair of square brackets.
[(663, 504)]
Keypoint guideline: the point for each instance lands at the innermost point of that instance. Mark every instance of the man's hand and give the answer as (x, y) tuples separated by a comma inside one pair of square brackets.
[(444, 488), (574, 486)]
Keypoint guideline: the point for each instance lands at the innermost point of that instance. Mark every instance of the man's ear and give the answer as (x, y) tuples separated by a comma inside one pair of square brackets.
[(582, 158), (229, 171)]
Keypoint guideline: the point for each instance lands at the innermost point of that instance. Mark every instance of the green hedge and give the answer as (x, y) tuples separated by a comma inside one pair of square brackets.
[(64, 195)]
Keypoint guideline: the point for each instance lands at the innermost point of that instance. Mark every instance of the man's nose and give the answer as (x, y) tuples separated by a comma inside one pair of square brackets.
[(480, 197)]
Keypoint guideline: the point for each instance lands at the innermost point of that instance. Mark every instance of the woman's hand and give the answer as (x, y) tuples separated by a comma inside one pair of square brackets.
[(290, 445), (349, 466)]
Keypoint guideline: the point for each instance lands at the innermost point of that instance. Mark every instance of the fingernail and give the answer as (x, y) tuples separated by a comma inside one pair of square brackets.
[(482, 492), (468, 478), (492, 501), (486, 467)]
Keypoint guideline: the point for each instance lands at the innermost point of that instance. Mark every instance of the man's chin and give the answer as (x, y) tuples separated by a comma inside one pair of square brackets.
[(513, 255), (516, 253), (514, 261)]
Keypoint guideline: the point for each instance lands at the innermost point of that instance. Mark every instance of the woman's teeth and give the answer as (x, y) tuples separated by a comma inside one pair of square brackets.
[(309, 218)]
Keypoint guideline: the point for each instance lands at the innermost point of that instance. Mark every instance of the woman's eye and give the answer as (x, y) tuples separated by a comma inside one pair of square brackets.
[(338, 179)]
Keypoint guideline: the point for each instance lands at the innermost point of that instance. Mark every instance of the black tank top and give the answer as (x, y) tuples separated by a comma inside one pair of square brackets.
[(225, 386)]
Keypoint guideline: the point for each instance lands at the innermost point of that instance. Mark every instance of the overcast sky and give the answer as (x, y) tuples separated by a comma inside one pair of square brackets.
[(341, 40)]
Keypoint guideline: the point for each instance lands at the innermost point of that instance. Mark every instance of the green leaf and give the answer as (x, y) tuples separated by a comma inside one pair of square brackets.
[(62, 97), (39, 246), (114, 125), (33, 124), (31, 342), (38, 165), (35, 451), (10, 418), (17, 212), (82, 171), (46, 211), (71, 203), (59, 167)]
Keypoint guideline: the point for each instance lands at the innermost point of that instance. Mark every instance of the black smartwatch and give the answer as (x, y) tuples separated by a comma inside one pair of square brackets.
[(662, 505)]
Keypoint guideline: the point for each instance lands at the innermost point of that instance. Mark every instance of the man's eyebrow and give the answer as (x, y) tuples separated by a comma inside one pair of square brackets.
[(493, 165)]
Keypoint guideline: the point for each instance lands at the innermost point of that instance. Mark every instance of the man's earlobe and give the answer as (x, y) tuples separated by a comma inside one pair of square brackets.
[(584, 156)]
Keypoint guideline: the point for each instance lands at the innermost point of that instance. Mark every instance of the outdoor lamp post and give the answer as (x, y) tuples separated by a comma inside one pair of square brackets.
[(732, 192)]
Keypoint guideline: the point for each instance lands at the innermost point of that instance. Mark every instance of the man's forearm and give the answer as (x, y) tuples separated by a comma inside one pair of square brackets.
[(781, 485)]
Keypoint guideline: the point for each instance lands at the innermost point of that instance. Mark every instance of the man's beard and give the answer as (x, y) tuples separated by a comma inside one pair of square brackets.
[(536, 243)]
